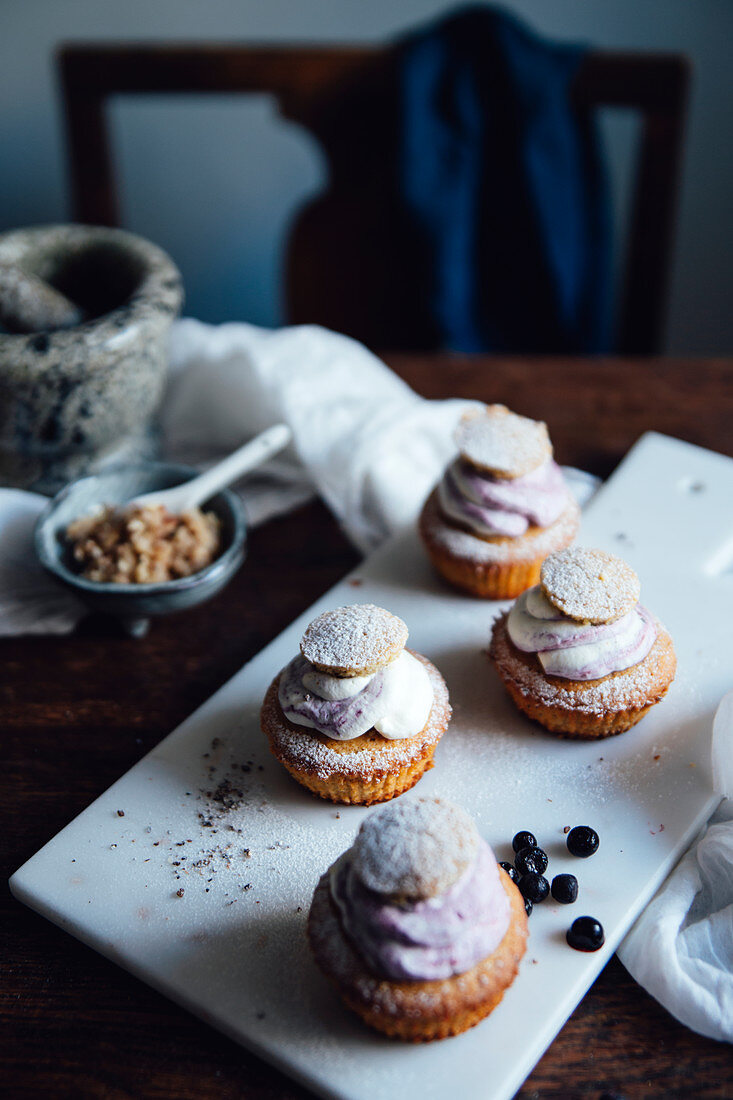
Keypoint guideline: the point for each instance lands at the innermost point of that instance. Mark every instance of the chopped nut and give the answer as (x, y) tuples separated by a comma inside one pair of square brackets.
[(143, 545)]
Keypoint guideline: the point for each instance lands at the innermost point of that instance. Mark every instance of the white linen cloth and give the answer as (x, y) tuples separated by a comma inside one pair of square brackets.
[(373, 449), (362, 438), (681, 947)]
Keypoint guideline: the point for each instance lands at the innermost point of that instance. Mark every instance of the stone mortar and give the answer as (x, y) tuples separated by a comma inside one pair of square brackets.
[(76, 399)]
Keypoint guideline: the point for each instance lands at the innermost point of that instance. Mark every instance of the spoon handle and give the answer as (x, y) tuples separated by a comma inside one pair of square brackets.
[(206, 485)]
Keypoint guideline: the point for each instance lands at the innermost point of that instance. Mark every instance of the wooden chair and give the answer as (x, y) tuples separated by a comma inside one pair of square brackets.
[(351, 263)]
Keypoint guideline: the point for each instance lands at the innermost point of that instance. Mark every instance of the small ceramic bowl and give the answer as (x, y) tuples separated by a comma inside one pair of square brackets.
[(135, 604)]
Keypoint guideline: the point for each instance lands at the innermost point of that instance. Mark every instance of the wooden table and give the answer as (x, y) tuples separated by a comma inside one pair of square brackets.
[(77, 712)]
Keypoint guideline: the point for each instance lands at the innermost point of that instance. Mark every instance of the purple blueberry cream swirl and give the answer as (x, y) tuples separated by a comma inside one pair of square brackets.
[(395, 700), (424, 939), (575, 650), (493, 506)]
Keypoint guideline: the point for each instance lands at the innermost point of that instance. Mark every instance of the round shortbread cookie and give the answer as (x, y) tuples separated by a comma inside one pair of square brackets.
[(417, 848), (589, 586), (502, 443), (353, 641)]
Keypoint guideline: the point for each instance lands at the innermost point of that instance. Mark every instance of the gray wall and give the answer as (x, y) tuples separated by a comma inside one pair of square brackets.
[(216, 182)]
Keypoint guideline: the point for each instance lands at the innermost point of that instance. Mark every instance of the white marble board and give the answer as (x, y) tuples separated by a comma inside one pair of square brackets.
[(232, 948)]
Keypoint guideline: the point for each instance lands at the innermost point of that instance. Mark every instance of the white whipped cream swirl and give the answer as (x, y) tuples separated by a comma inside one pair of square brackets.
[(574, 650), (396, 700)]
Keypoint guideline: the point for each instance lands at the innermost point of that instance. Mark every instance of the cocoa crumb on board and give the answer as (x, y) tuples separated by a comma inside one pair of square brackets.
[(227, 795), (216, 812)]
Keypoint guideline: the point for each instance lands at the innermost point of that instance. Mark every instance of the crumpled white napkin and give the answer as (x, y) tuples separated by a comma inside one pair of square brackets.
[(31, 602), (372, 448), (681, 947), (361, 437)]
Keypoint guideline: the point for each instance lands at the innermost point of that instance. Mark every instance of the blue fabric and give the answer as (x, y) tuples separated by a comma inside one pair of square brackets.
[(506, 182)]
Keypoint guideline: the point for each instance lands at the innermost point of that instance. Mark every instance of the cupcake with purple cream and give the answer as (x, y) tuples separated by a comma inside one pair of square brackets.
[(578, 652), (501, 506), (416, 924)]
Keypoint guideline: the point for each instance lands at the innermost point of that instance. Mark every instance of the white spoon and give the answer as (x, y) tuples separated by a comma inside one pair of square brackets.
[(200, 489)]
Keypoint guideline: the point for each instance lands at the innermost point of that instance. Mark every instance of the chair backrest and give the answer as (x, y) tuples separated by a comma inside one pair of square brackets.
[(351, 263)]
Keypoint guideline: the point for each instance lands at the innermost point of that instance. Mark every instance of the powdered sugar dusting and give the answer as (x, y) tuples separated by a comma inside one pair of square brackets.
[(415, 848), (354, 640), (502, 442), (589, 585), (536, 543)]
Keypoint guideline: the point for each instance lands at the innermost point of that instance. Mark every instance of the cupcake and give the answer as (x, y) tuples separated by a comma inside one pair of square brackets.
[(501, 507), (578, 652), (416, 925), (356, 717)]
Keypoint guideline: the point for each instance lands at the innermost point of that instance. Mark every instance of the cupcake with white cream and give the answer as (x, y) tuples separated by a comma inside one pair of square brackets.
[(356, 717)]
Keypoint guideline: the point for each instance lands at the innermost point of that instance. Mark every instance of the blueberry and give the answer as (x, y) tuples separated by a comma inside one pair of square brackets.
[(528, 907), (534, 886), (509, 870), (524, 840), (530, 859), (565, 889), (582, 841), (586, 934)]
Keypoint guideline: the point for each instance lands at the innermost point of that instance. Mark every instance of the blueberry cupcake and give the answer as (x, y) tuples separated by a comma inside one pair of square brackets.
[(500, 508), (578, 653), (416, 925), (356, 717)]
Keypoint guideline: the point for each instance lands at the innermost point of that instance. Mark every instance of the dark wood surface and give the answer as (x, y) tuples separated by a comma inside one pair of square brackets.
[(353, 263), (77, 712)]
